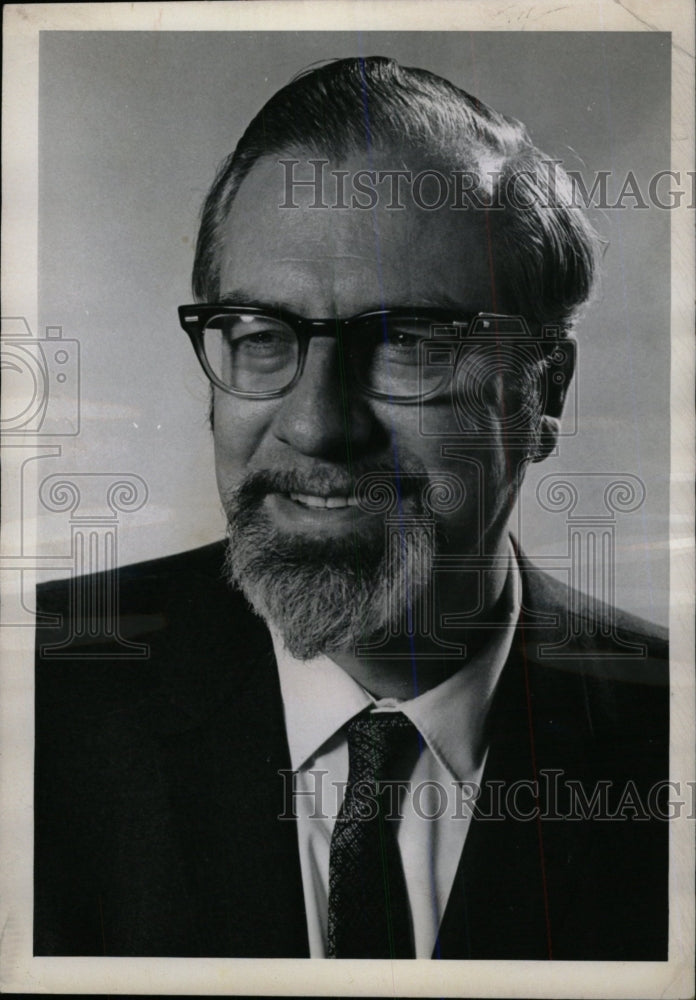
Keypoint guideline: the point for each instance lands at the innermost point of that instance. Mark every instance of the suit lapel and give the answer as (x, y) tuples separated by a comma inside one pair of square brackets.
[(508, 895), (223, 747), (496, 905)]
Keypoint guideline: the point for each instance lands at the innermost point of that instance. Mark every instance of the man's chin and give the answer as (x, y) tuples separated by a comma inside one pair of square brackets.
[(326, 596), (318, 604)]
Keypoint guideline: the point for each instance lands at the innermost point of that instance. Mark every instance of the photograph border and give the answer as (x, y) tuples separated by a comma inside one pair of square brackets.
[(22, 972)]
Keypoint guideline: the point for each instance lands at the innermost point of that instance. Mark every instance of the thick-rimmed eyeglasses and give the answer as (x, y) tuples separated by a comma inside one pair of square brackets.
[(403, 355)]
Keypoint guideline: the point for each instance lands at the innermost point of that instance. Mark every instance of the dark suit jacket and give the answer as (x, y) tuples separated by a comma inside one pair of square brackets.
[(158, 788)]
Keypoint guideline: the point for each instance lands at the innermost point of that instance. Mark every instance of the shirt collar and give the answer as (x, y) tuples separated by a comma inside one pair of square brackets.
[(319, 697)]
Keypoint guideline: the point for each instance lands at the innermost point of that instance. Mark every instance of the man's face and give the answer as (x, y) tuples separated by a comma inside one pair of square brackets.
[(320, 437)]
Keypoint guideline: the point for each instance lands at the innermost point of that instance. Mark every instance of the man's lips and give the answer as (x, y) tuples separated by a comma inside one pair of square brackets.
[(312, 512), (333, 502), (309, 498)]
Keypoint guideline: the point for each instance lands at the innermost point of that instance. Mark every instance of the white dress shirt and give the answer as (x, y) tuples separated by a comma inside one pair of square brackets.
[(319, 698)]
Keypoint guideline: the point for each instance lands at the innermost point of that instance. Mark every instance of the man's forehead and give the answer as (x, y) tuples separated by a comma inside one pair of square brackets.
[(285, 192), (354, 254)]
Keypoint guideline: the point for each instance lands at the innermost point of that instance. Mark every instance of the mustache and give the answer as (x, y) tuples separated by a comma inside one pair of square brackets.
[(324, 480)]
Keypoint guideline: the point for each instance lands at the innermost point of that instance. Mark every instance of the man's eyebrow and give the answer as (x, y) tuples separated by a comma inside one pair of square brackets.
[(239, 297)]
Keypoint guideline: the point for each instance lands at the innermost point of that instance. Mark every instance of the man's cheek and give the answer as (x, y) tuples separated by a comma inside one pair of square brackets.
[(238, 433), (231, 464)]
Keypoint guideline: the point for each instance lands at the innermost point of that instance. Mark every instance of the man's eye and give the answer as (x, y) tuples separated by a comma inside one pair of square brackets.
[(260, 342), (400, 346), (399, 338)]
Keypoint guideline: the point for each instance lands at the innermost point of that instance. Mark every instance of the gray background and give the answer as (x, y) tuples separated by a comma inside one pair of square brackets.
[(132, 126)]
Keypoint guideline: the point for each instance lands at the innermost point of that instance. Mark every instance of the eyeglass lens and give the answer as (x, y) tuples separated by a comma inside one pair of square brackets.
[(255, 353)]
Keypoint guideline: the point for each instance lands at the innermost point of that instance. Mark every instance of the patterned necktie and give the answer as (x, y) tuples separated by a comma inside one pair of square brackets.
[(369, 915)]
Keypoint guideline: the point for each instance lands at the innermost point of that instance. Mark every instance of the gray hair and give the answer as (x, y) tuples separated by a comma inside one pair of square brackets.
[(544, 252)]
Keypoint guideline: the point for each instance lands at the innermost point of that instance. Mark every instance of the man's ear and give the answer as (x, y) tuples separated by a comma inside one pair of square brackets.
[(558, 373), (547, 437)]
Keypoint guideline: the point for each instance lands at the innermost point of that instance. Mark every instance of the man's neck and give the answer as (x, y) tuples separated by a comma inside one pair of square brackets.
[(391, 671)]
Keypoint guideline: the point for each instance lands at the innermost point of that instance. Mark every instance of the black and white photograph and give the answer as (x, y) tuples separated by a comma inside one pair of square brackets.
[(348, 522)]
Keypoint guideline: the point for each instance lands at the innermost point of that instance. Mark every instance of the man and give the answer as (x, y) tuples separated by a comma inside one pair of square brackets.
[(388, 756)]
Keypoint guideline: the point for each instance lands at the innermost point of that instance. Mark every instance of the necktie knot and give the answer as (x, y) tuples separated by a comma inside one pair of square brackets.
[(375, 744)]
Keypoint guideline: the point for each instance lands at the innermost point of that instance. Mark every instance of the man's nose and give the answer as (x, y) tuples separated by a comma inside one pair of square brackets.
[(325, 415)]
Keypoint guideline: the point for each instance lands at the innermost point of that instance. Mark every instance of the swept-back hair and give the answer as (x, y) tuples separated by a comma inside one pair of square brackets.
[(543, 249)]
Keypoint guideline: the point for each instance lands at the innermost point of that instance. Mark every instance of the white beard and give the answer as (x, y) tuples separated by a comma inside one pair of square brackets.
[(323, 596)]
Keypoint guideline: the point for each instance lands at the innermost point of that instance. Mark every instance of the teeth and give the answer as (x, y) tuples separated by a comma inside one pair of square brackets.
[(328, 503)]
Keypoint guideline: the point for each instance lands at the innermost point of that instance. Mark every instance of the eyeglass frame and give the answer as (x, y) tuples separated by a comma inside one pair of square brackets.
[(306, 328)]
